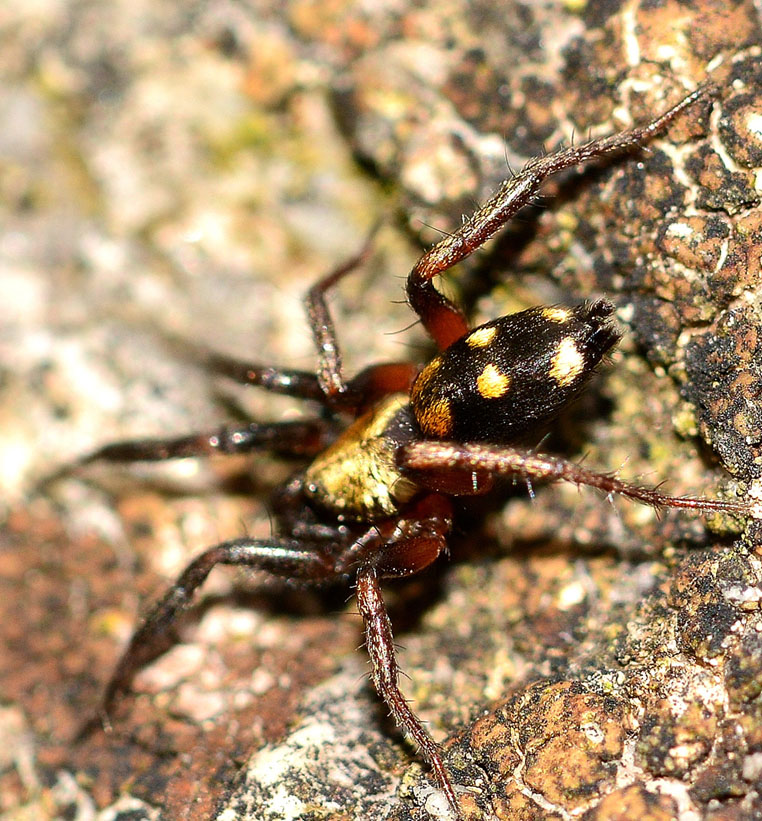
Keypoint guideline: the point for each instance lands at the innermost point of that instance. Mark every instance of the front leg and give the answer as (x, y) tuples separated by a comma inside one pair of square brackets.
[(299, 439)]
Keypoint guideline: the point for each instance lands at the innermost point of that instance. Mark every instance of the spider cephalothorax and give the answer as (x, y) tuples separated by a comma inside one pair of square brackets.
[(374, 502)]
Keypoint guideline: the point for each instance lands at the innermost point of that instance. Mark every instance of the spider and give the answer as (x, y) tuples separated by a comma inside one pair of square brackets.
[(374, 501)]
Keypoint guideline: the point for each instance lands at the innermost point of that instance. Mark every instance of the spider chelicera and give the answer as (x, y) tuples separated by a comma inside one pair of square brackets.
[(374, 501)]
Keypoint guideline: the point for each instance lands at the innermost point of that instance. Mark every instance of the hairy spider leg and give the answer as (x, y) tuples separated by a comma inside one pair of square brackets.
[(364, 389), (443, 320), (299, 384), (391, 549), (295, 438), (371, 384), (328, 385), (379, 640), (398, 549), (376, 382), (330, 374), (497, 460), (282, 558)]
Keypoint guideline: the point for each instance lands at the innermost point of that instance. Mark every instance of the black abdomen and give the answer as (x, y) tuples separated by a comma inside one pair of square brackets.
[(506, 376)]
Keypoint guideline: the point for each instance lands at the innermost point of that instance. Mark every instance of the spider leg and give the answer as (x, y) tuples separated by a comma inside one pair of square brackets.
[(328, 385), (304, 438), (380, 643), (391, 550), (283, 558), (378, 381), (300, 438), (330, 375), (367, 387), (401, 547), (364, 389), (299, 384), (421, 457), (442, 319), (371, 384)]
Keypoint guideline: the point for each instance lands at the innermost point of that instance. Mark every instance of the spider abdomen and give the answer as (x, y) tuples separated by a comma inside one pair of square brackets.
[(507, 376)]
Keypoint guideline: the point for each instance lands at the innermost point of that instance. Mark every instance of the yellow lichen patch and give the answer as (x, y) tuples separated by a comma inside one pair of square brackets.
[(567, 363), (436, 420), (556, 314), (481, 337), (491, 383)]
